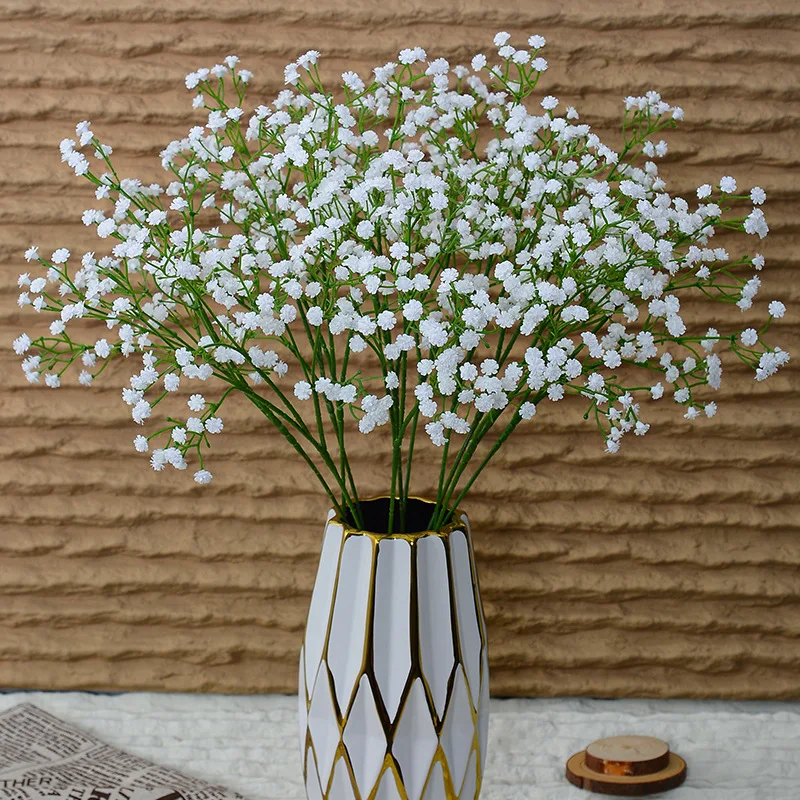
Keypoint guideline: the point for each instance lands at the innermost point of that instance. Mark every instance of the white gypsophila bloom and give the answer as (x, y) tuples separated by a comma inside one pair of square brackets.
[(214, 425), (749, 337), (21, 344), (196, 402), (203, 476), (141, 411), (179, 435), (195, 425), (106, 228), (727, 184), (777, 309), (769, 363), (302, 390), (756, 223)]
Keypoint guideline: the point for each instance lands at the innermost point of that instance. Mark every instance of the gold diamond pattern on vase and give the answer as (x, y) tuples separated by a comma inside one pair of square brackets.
[(394, 680)]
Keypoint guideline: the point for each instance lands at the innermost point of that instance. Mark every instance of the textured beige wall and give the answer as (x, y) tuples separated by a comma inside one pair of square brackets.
[(670, 570)]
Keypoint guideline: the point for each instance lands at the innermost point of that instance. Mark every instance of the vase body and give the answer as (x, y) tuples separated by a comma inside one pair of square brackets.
[(394, 680)]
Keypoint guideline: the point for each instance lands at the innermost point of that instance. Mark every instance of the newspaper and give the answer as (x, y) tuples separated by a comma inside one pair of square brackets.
[(43, 757)]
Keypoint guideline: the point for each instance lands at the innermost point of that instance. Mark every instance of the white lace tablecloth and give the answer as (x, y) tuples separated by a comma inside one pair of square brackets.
[(735, 751)]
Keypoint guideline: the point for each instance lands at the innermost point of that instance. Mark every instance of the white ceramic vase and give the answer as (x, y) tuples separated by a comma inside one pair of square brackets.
[(394, 679)]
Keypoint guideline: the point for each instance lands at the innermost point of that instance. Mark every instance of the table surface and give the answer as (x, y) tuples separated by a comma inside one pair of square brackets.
[(735, 750)]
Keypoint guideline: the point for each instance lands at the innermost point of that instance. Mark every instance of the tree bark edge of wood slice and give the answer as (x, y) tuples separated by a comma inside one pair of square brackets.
[(578, 774)]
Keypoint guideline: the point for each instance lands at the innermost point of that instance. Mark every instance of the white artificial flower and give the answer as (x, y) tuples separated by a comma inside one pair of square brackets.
[(214, 425), (141, 411), (386, 320), (468, 372), (555, 391), (777, 309), (365, 229), (478, 62), (196, 402), (749, 337), (436, 432), (413, 310), (353, 82), (756, 223), (203, 476), (302, 390), (411, 55), (769, 363), (357, 344), (106, 228), (179, 435), (21, 344)]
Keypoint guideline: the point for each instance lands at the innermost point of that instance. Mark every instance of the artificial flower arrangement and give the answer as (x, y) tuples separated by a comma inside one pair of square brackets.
[(427, 250), (422, 249)]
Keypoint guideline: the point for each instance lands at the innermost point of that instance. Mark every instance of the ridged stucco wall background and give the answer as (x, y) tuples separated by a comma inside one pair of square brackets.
[(668, 570)]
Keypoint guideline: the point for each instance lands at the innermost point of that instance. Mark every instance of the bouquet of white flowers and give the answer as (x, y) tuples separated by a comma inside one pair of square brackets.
[(434, 248)]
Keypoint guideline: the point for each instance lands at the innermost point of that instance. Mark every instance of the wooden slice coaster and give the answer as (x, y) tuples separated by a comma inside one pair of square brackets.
[(628, 766), (627, 755)]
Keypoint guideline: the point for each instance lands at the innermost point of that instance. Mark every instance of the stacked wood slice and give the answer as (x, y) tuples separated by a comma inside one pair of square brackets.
[(627, 766)]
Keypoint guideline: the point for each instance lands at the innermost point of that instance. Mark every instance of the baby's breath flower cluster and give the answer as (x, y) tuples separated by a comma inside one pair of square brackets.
[(433, 248)]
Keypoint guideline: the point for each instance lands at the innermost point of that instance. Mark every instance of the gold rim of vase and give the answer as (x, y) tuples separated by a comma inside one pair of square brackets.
[(454, 524)]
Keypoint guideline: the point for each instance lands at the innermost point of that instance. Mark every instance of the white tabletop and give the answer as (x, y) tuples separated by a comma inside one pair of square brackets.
[(735, 750)]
